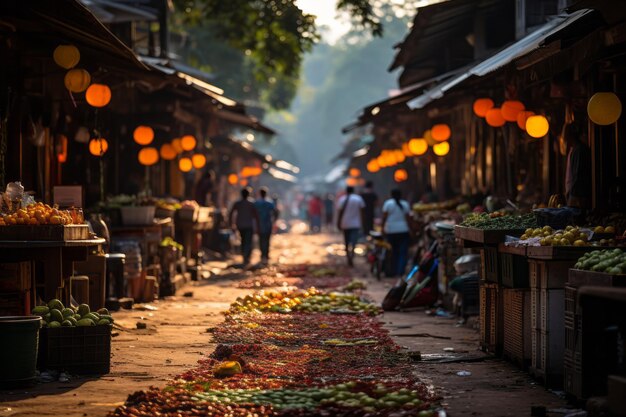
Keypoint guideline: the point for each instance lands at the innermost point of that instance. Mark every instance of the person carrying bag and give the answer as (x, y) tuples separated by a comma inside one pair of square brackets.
[(396, 226), (350, 220)]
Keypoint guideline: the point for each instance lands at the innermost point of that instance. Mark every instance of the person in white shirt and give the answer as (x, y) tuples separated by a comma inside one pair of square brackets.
[(350, 220), (396, 228)]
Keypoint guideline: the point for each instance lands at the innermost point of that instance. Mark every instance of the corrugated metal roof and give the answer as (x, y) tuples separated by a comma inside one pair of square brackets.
[(527, 44)]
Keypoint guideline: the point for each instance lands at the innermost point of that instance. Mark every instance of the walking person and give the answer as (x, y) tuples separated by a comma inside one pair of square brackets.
[(247, 219), (267, 216), (350, 220), (371, 199), (396, 227), (329, 211), (315, 214)]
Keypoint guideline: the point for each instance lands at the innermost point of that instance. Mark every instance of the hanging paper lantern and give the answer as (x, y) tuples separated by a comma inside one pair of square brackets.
[(399, 155), (98, 146), (148, 156), (537, 126), (405, 149), (380, 160), (482, 106), (604, 108), (188, 142), (198, 160), (185, 164), (494, 117), (98, 95), (522, 117), (243, 182), (400, 175), (233, 179), (510, 109), (250, 171), (143, 135), (441, 132), (178, 147), (66, 56), (77, 80), (441, 149), (167, 152), (390, 158), (355, 172), (352, 182), (372, 166), (418, 146), (428, 137)]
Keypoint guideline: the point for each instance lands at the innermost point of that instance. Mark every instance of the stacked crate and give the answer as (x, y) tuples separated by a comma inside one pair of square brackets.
[(491, 318)]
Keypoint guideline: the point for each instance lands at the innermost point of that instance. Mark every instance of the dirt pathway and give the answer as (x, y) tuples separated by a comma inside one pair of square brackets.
[(176, 337)]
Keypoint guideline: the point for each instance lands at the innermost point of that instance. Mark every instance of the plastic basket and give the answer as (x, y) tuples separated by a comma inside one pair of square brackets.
[(138, 216), (79, 350)]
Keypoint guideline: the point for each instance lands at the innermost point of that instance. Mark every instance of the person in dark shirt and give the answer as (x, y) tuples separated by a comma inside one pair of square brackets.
[(329, 211), (371, 199), (247, 219), (578, 169), (315, 214), (204, 188), (267, 216)]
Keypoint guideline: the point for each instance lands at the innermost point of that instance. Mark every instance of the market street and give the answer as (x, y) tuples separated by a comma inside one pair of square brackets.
[(176, 338)]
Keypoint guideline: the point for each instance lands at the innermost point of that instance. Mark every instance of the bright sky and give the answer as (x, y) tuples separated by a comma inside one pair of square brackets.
[(326, 16)]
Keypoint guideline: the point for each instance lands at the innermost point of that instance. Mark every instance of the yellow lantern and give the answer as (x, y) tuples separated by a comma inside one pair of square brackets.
[(143, 135), (355, 172), (185, 164), (604, 108), (167, 152), (148, 156), (66, 56), (522, 117), (233, 179), (418, 146), (98, 147), (177, 145), (441, 149), (77, 80), (188, 142), (441, 132), (537, 126), (400, 175), (198, 160), (494, 117), (482, 106), (98, 95), (510, 110), (372, 166)]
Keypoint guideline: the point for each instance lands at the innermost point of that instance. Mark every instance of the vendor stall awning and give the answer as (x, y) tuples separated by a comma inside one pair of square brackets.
[(527, 44), (244, 120)]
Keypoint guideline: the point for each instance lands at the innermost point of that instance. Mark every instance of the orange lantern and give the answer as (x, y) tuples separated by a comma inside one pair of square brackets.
[(198, 160), (188, 142), (494, 117), (143, 135), (399, 156), (400, 175), (372, 166), (233, 179), (380, 160), (441, 132), (98, 147), (482, 106), (148, 156), (510, 109), (537, 126), (522, 117), (167, 152), (77, 80), (98, 95), (243, 182), (66, 56), (352, 182), (61, 148), (418, 146), (355, 172), (177, 146), (405, 149), (185, 164), (441, 149), (428, 137)]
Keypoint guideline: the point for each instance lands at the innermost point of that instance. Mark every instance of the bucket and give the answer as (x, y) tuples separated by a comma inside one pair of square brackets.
[(18, 349)]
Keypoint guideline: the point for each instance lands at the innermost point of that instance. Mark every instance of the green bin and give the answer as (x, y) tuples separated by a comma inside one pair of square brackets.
[(19, 336)]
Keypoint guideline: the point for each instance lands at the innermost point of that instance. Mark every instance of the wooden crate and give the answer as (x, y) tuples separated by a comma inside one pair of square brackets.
[(491, 318), (15, 276), (45, 232), (578, 278), (492, 237), (548, 338), (517, 327), (559, 252), (548, 274)]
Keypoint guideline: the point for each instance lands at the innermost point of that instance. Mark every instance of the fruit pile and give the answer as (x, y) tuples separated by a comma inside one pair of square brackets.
[(277, 356), (500, 222), (37, 214), (55, 314), (570, 236), (609, 261)]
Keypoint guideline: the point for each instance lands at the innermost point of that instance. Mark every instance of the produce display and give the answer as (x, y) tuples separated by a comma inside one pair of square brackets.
[(441, 206), (39, 214), (283, 353), (570, 236), (610, 261), (168, 241), (55, 314), (499, 221)]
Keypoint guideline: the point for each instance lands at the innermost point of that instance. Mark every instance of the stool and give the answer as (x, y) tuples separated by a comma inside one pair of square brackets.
[(115, 275), (79, 288)]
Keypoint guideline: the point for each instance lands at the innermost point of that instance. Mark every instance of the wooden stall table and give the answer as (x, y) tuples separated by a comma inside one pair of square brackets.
[(148, 236), (58, 258), (190, 224)]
